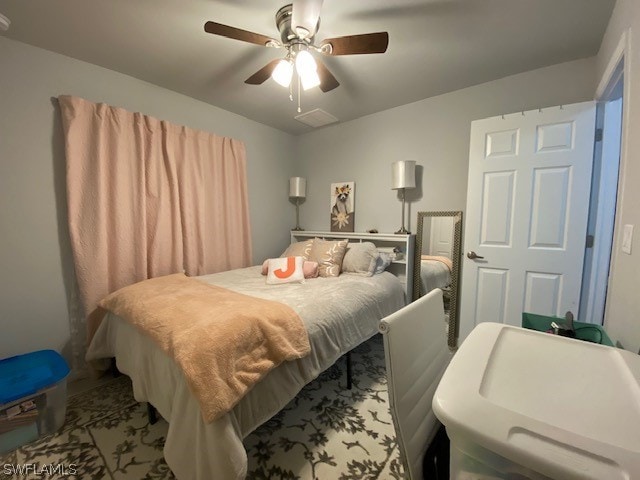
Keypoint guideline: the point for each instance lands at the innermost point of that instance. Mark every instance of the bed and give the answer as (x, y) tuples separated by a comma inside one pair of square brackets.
[(339, 313), (435, 272)]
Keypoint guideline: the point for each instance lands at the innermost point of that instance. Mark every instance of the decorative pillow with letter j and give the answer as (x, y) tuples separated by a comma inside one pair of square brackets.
[(285, 270)]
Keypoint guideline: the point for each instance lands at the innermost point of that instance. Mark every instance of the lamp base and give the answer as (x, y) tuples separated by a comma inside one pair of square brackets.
[(297, 229), (402, 231)]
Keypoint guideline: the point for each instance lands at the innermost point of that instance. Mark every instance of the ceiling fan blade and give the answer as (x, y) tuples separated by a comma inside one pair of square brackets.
[(358, 44), (261, 75), (327, 81), (305, 17), (236, 33)]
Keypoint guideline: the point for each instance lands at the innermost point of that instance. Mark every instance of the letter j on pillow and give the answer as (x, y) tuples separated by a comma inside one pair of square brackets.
[(285, 270)]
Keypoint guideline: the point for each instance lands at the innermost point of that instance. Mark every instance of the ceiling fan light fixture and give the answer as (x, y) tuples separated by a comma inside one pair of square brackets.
[(309, 80), (283, 72), (307, 68), (305, 63)]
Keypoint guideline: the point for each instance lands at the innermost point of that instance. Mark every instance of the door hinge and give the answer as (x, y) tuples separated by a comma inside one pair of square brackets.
[(599, 134), (589, 242)]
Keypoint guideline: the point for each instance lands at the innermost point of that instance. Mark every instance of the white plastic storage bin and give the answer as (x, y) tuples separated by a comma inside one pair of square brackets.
[(33, 397), (523, 404)]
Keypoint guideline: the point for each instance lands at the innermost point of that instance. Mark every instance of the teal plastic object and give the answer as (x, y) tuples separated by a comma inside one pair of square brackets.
[(584, 331), (24, 375), (17, 437)]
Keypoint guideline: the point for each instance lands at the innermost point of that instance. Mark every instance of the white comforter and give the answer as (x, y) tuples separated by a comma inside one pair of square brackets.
[(433, 274), (339, 313)]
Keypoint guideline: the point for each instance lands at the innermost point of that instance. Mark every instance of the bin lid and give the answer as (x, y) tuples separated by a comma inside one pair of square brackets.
[(560, 407), (24, 375)]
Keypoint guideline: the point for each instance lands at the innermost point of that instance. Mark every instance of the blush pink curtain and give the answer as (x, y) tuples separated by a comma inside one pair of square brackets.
[(148, 198)]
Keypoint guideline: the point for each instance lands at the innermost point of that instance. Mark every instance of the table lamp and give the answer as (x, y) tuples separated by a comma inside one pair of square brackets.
[(403, 176), (297, 190)]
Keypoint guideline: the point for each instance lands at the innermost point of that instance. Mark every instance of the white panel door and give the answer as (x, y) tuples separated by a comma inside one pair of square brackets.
[(441, 241), (527, 206)]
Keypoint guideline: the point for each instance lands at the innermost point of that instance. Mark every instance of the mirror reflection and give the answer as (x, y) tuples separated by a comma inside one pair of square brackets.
[(438, 243)]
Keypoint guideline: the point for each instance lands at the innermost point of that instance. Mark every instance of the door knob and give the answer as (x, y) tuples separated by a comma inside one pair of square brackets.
[(473, 255)]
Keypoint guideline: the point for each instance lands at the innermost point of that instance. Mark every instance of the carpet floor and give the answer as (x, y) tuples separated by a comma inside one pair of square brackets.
[(326, 432)]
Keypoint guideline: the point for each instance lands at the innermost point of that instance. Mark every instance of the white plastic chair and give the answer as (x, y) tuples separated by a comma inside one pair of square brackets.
[(416, 354)]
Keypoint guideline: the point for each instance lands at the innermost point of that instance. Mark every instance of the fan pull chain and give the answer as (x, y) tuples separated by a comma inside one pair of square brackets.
[(291, 91), (299, 109)]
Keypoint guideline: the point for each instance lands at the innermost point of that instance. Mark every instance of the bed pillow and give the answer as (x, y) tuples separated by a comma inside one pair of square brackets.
[(360, 258), (299, 249), (384, 260), (285, 270), (329, 255), (310, 269)]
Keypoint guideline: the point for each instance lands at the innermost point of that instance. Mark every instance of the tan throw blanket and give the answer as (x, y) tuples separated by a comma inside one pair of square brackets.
[(225, 342), (446, 260)]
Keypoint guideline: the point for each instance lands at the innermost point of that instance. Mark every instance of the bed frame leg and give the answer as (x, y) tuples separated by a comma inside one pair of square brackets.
[(152, 413), (349, 370), (113, 368)]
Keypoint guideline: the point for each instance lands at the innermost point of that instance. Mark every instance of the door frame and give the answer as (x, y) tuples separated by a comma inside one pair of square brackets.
[(620, 57), (604, 194)]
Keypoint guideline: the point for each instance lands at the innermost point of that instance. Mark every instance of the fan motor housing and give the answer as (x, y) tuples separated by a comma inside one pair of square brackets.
[(283, 22)]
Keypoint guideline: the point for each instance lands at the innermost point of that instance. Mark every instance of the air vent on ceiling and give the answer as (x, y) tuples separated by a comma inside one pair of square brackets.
[(316, 118)]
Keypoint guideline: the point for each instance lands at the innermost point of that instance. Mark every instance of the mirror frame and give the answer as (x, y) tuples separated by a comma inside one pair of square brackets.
[(452, 339)]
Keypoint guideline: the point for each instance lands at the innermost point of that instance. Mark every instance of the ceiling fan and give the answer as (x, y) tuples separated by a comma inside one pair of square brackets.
[(298, 24)]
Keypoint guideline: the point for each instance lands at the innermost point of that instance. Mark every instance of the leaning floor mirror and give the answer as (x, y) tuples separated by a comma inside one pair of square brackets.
[(437, 262)]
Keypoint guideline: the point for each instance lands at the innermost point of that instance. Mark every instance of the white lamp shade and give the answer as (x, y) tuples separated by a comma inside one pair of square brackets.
[(309, 80), (403, 174), (305, 63), (297, 187), (307, 70), (283, 72)]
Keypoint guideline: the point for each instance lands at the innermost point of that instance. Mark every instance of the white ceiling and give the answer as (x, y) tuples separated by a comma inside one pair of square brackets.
[(435, 46)]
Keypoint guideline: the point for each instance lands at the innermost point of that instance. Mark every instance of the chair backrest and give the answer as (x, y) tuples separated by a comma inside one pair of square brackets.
[(416, 354)]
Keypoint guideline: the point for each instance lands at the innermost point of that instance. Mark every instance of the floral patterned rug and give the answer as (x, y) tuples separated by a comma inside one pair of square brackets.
[(326, 432)]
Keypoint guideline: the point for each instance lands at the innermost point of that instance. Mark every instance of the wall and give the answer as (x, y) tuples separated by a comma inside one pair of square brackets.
[(435, 132), (622, 314), (34, 246)]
